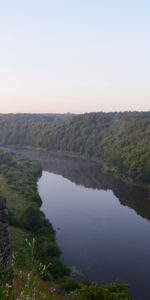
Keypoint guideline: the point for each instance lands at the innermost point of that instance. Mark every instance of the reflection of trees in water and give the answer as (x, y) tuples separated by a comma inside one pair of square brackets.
[(88, 174), (5, 257)]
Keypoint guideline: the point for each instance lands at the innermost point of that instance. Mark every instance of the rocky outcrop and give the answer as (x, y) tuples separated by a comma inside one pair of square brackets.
[(5, 254)]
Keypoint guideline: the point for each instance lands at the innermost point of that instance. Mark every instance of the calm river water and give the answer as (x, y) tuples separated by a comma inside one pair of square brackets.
[(102, 224)]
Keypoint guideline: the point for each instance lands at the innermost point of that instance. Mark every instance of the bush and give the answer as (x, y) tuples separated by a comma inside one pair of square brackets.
[(68, 284), (31, 219), (114, 291), (58, 269), (47, 248)]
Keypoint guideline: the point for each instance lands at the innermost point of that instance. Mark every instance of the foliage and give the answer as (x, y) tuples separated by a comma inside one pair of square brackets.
[(18, 184), (68, 284), (24, 285), (121, 141), (92, 291), (6, 277)]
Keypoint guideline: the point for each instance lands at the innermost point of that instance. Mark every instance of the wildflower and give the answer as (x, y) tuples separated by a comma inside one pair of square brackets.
[(35, 289), (8, 286), (52, 290), (29, 276)]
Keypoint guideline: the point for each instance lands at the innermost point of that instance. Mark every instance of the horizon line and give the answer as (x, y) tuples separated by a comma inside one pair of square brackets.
[(70, 113)]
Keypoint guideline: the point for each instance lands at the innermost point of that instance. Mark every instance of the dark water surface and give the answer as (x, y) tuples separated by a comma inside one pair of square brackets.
[(102, 224)]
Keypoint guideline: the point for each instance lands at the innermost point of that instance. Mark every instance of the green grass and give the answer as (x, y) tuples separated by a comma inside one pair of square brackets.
[(19, 245), (18, 184)]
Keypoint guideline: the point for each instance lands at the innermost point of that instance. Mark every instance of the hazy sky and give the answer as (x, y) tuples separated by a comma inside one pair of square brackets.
[(77, 56)]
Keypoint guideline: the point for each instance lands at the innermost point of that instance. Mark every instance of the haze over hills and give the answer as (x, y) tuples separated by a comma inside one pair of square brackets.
[(119, 140), (35, 116)]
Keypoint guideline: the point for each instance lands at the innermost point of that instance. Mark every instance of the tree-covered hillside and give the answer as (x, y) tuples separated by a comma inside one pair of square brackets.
[(37, 117), (121, 141)]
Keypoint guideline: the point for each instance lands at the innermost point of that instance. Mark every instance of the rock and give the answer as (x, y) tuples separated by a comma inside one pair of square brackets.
[(5, 253), (2, 202)]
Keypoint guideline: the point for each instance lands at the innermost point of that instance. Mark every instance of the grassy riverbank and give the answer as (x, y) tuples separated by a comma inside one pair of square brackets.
[(18, 183), (37, 270), (104, 167)]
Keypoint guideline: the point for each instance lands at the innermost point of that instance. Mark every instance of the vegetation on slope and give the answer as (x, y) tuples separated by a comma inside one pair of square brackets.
[(27, 285), (120, 141), (18, 183)]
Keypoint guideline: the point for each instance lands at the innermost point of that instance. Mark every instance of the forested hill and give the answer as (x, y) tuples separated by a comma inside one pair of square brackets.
[(36, 117), (119, 140)]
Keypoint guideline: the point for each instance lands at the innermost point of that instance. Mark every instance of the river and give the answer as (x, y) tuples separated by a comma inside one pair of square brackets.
[(102, 224)]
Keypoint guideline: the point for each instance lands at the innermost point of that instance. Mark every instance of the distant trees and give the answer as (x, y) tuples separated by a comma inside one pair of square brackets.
[(120, 140)]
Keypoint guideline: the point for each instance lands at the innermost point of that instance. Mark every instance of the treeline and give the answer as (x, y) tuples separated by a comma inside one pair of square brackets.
[(120, 141), (39, 117)]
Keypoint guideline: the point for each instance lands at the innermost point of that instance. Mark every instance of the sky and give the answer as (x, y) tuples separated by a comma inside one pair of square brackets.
[(74, 56)]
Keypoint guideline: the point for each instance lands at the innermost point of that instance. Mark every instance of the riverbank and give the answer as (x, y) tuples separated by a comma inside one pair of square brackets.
[(18, 184), (104, 166)]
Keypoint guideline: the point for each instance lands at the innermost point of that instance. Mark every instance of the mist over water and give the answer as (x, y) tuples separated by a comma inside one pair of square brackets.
[(98, 231)]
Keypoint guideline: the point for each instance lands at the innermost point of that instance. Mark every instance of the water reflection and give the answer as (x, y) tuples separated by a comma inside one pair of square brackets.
[(88, 174)]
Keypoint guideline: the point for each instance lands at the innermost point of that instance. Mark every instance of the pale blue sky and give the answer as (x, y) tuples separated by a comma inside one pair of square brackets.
[(77, 56)]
